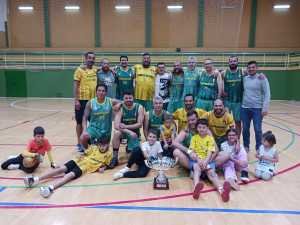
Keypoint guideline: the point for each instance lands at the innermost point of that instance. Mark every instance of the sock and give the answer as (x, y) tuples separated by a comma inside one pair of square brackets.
[(51, 187), (115, 152), (220, 190), (13, 166), (36, 179)]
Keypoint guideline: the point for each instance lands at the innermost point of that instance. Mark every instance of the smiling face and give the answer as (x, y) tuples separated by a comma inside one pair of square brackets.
[(124, 62), (218, 107), (146, 61), (251, 69), (189, 102), (101, 92), (90, 60), (128, 100), (151, 138), (208, 65), (232, 137), (233, 63)]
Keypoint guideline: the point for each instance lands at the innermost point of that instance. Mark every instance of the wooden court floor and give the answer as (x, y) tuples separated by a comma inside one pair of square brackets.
[(97, 199)]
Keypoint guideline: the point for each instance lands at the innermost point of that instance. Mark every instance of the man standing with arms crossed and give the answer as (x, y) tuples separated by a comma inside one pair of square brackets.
[(84, 86)]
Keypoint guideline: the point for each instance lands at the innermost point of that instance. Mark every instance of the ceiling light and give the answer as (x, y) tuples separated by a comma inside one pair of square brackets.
[(72, 8), (25, 8), (122, 7), (281, 6), (174, 7)]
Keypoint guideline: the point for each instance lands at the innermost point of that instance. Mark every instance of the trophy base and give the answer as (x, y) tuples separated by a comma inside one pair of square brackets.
[(159, 185)]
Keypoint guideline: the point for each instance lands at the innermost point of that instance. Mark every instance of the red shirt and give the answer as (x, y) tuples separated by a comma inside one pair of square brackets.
[(33, 147)]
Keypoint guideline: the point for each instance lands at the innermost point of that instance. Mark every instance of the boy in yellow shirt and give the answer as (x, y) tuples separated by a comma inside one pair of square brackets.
[(96, 157), (200, 154)]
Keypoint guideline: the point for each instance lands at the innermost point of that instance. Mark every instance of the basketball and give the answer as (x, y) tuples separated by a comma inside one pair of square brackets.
[(29, 162)]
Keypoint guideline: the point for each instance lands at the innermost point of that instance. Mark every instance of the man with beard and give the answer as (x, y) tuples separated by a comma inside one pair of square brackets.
[(191, 77), (106, 76), (176, 88), (99, 110), (183, 139), (124, 77), (255, 105), (144, 82), (219, 121), (128, 122), (162, 84), (155, 117), (233, 90), (210, 86), (181, 113), (83, 90)]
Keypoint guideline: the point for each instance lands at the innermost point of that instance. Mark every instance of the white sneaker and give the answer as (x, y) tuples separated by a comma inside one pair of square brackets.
[(192, 174), (13, 167), (117, 175), (124, 170), (45, 192), (12, 156), (31, 181)]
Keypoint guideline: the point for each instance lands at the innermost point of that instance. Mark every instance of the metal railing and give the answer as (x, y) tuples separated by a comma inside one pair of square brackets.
[(71, 59)]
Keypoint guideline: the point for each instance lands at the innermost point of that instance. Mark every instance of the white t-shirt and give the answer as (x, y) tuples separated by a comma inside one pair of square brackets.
[(162, 86), (152, 150)]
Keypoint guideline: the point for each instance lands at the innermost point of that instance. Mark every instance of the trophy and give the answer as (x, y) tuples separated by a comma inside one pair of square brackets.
[(160, 164)]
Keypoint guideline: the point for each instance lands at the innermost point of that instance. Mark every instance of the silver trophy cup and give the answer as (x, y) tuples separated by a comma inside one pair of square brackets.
[(160, 164)]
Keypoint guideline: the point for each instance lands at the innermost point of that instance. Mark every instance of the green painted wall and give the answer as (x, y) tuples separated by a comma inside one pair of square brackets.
[(59, 83), (293, 85), (50, 83), (15, 80), (2, 83)]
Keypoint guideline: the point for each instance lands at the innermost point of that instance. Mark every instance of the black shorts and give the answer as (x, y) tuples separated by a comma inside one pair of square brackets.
[(73, 167), (79, 113)]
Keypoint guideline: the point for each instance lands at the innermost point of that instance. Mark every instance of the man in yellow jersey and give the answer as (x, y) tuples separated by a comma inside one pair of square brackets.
[(83, 90), (219, 121), (181, 114), (145, 82)]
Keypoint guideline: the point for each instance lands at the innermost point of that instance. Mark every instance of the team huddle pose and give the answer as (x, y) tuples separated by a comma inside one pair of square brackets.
[(193, 115)]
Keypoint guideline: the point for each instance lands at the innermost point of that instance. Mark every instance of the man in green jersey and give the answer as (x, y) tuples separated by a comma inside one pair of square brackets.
[(232, 93), (128, 122), (124, 76), (176, 88), (210, 86), (155, 117), (99, 110), (191, 78)]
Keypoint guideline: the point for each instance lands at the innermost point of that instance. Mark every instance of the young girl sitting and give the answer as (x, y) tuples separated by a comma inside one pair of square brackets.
[(96, 157), (150, 148), (267, 157)]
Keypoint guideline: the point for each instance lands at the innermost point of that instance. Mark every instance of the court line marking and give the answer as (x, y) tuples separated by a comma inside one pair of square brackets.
[(30, 121), (215, 210), (14, 105), (76, 205)]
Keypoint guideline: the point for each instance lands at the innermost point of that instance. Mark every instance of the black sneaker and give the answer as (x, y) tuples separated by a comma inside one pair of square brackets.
[(244, 176), (114, 162)]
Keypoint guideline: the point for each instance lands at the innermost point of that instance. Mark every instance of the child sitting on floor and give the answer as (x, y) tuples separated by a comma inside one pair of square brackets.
[(30, 159), (96, 157), (267, 157)]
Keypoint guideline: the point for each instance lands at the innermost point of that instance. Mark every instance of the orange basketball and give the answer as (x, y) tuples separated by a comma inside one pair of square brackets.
[(29, 162)]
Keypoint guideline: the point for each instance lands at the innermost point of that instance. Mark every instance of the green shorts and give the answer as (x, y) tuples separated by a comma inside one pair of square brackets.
[(132, 143), (174, 105), (220, 140), (98, 134), (147, 104), (235, 109), (207, 105)]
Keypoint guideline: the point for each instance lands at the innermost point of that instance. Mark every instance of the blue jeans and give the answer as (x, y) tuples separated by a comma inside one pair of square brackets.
[(248, 114)]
